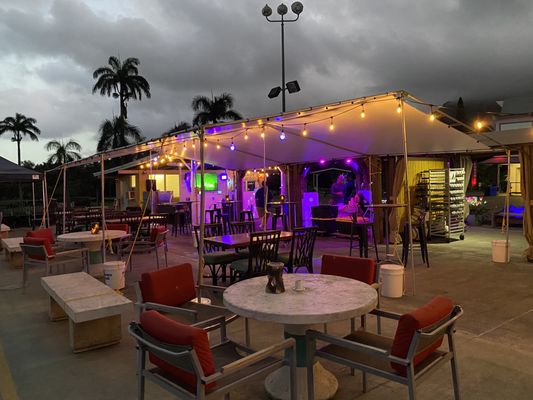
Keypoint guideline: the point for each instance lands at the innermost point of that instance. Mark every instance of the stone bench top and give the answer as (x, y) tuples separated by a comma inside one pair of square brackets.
[(84, 298), (4, 228), (12, 245)]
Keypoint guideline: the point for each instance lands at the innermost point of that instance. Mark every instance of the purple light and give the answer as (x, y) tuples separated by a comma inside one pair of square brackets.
[(322, 161), (278, 118), (348, 161), (232, 146), (223, 177)]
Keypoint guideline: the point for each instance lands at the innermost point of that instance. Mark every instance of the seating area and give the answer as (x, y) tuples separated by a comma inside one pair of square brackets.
[(169, 325)]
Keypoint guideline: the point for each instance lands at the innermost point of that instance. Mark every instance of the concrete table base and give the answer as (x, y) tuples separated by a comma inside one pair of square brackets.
[(15, 259), (94, 334), (277, 384)]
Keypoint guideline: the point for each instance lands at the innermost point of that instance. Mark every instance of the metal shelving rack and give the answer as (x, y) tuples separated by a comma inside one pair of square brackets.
[(441, 192)]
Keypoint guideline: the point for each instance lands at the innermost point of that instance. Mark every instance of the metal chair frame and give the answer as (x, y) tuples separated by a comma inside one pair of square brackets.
[(302, 247)]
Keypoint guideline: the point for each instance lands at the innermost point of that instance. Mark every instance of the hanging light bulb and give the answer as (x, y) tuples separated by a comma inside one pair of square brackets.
[(304, 132), (194, 144), (205, 143), (399, 108), (218, 146), (141, 166), (232, 146), (331, 126), (479, 124), (263, 133), (185, 146), (175, 153), (282, 136), (363, 115), (432, 117), (246, 134)]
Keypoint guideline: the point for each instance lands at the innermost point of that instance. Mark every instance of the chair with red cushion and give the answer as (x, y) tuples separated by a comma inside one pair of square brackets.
[(39, 251), (172, 290), (157, 239), (43, 233), (360, 269), (187, 366), (414, 350)]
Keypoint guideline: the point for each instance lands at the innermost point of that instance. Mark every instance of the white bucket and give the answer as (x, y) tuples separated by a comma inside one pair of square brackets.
[(391, 278), (498, 251), (114, 274)]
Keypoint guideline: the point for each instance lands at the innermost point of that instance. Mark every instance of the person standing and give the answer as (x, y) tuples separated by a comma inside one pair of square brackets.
[(262, 196), (349, 189), (337, 191)]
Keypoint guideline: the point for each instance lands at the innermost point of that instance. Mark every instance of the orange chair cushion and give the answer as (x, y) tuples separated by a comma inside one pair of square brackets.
[(361, 269), (423, 317), (155, 230), (172, 286), (37, 241), (44, 233), (168, 331), (119, 227)]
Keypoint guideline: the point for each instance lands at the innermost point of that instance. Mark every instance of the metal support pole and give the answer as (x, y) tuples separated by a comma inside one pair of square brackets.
[(64, 197), (47, 202), (407, 194), (33, 201), (201, 262), (102, 183), (44, 204), (282, 64), (508, 204)]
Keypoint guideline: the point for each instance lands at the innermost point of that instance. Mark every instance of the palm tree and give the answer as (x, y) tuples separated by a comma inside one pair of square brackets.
[(214, 110), (63, 152), (20, 126), (182, 126), (117, 133), (121, 80)]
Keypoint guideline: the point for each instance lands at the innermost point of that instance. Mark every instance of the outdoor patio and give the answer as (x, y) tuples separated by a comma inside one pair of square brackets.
[(495, 352)]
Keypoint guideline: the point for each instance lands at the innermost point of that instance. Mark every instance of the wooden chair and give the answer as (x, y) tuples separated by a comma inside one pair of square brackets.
[(158, 239), (406, 358), (189, 368), (262, 249), (246, 215), (302, 247), (38, 251), (242, 227), (214, 258)]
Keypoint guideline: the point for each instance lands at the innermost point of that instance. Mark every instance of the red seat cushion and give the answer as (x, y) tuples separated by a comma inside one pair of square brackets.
[(361, 269), (172, 286), (436, 310), (168, 331), (155, 230), (118, 227), (44, 233), (37, 241)]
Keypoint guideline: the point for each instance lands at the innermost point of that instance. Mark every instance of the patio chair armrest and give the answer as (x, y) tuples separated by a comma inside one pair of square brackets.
[(385, 314), (72, 251), (168, 309), (211, 324), (347, 344), (457, 313), (238, 365), (211, 287)]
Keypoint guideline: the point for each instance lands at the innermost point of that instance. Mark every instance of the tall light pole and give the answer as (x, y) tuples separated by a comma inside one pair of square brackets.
[(282, 10)]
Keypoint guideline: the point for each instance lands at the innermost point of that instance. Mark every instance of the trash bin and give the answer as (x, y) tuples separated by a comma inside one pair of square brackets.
[(114, 274), (498, 251), (391, 278)]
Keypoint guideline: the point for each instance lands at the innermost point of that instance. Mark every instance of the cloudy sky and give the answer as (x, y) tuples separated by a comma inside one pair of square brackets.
[(437, 50)]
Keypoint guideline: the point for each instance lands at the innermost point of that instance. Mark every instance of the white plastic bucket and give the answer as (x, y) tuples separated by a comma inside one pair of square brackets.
[(391, 278), (114, 274), (498, 251)]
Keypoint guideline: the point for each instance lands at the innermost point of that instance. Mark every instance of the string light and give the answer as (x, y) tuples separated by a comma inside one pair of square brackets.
[(218, 146), (246, 134), (180, 164), (141, 166), (205, 143), (479, 124), (194, 144), (263, 133), (232, 146), (399, 108), (432, 117), (304, 132), (363, 115), (282, 136), (175, 153), (185, 146), (331, 126)]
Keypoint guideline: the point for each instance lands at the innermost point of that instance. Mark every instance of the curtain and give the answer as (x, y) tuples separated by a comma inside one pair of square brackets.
[(526, 183), (377, 194), (239, 175), (397, 184), (296, 188), (466, 163)]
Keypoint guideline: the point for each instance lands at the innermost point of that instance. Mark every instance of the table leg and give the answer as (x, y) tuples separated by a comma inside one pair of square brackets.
[(277, 384), (94, 334)]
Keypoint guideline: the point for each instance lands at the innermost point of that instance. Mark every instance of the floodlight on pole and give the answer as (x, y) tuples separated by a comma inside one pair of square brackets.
[(297, 8)]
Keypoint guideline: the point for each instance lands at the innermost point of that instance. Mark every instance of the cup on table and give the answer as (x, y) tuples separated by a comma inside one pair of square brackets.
[(299, 285)]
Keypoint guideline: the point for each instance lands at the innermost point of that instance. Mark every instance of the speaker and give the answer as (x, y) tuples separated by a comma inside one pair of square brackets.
[(150, 185)]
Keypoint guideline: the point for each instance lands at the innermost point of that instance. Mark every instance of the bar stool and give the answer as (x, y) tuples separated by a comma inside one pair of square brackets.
[(246, 215), (279, 214), (422, 239)]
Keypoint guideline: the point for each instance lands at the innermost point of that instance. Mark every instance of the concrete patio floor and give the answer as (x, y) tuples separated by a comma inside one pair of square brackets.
[(495, 349)]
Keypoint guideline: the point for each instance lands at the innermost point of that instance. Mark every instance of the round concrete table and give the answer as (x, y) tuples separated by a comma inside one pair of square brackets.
[(92, 242), (326, 298), (4, 229)]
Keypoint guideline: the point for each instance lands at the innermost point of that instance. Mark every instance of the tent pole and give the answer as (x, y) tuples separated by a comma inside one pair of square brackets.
[(46, 196), (44, 203), (508, 204), (407, 194), (201, 262), (64, 197), (102, 183), (33, 201)]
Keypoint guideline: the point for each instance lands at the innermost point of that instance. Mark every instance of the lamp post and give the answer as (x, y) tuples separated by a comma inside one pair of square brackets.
[(282, 10)]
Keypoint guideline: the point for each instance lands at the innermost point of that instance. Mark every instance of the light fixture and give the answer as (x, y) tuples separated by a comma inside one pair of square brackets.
[(274, 92), (432, 117), (322, 161), (282, 136), (304, 132), (180, 164), (399, 108), (479, 124), (293, 86), (348, 161), (193, 144), (263, 133), (175, 153), (185, 146), (246, 134), (232, 146), (363, 115), (141, 166), (331, 126), (205, 143)]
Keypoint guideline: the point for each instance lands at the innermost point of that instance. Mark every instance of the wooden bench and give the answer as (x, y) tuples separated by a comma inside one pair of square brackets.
[(93, 309), (13, 251)]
